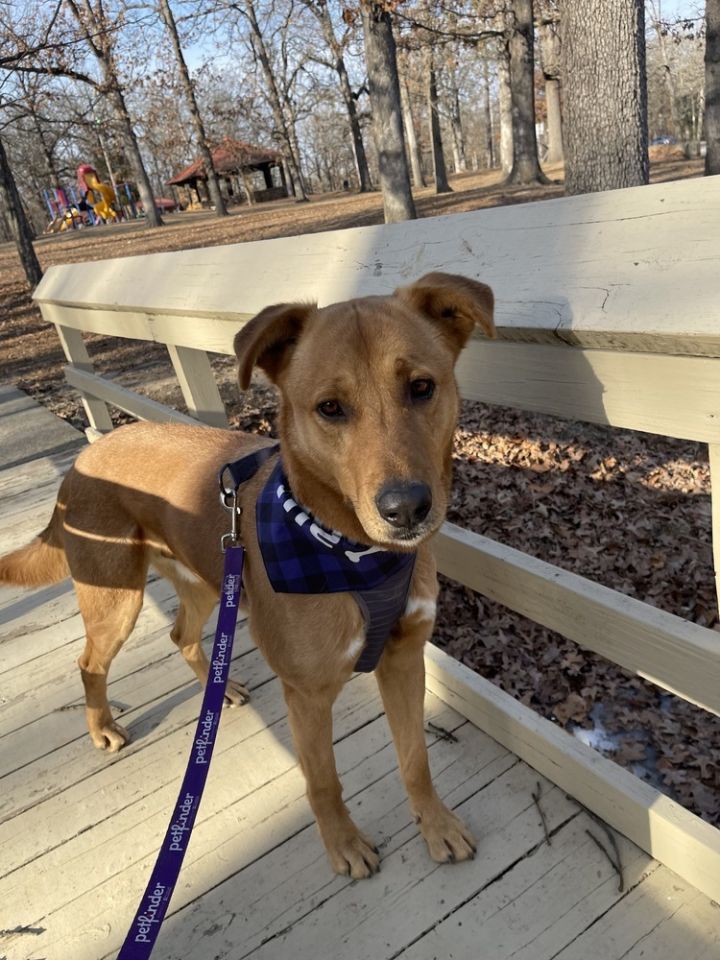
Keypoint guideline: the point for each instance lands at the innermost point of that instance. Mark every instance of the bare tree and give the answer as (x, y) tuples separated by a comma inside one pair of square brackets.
[(13, 211), (712, 87), (387, 113), (321, 11), (278, 100), (506, 111), (525, 167), (660, 32), (549, 33), (490, 160), (216, 197), (605, 94), (455, 116), (438, 157), (411, 140)]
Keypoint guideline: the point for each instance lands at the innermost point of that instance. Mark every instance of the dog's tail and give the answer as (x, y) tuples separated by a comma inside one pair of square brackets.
[(41, 562)]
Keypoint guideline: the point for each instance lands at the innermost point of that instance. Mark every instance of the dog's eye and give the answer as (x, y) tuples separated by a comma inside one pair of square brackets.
[(422, 389), (330, 409)]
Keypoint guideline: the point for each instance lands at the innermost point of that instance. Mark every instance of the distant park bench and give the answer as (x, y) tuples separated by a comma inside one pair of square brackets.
[(608, 311)]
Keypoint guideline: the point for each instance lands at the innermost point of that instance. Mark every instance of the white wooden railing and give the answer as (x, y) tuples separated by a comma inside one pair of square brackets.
[(608, 312)]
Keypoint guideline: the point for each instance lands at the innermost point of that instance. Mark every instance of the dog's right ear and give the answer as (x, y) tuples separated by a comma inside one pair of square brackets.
[(268, 339)]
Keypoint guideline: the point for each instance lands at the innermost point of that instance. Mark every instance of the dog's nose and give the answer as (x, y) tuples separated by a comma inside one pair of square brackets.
[(404, 504)]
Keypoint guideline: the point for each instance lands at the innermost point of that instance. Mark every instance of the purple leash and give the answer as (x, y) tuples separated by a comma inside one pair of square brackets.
[(145, 927)]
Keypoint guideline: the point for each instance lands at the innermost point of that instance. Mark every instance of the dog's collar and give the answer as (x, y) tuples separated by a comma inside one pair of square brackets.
[(302, 556)]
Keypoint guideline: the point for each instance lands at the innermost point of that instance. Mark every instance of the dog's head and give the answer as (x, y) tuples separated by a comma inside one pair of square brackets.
[(369, 401)]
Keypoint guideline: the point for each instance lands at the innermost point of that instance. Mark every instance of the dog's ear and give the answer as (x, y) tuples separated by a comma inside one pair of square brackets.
[(268, 339), (454, 304)]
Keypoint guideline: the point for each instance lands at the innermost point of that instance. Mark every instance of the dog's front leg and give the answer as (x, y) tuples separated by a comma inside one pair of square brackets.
[(401, 678), (310, 712)]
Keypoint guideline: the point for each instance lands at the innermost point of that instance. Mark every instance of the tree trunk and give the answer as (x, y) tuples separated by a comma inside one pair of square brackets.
[(525, 168), (551, 57), (456, 126), (292, 159), (712, 87), (103, 149), (554, 121), (506, 114), (489, 132), (387, 114), (667, 72), (47, 153), (134, 157), (438, 158), (216, 197), (410, 138), (605, 95), (17, 221), (322, 12)]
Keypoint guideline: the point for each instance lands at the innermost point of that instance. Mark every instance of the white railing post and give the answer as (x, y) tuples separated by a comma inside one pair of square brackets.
[(198, 385), (76, 352)]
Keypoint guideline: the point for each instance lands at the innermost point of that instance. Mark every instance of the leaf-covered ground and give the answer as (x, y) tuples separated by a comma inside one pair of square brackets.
[(629, 510)]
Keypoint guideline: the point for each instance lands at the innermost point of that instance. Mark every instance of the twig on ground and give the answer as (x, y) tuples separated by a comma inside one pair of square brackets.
[(23, 928), (615, 864), (441, 732), (615, 859), (536, 797)]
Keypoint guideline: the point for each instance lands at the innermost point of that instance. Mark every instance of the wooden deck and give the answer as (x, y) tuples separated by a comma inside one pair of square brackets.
[(79, 829)]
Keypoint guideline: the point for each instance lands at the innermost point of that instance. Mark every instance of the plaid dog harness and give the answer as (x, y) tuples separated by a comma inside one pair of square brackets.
[(301, 556)]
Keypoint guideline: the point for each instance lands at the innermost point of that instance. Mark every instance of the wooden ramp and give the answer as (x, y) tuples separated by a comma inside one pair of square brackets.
[(79, 829)]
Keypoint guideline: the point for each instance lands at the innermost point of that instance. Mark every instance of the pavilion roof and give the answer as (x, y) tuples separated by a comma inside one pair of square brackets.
[(230, 156)]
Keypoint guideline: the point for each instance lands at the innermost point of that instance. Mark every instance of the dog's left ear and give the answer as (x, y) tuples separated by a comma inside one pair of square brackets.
[(269, 338), (454, 304)]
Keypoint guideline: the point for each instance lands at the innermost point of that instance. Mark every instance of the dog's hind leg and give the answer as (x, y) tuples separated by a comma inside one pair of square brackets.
[(197, 600), (196, 605), (109, 614), (108, 561)]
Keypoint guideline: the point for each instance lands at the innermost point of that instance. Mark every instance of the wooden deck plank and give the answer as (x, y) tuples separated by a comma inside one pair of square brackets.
[(540, 905), (663, 918), (29, 431)]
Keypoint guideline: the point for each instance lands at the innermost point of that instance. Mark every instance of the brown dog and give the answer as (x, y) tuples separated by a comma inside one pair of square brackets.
[(368, 408)]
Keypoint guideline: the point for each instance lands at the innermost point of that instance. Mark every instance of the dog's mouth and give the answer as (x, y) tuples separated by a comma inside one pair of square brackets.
[(404, 539)]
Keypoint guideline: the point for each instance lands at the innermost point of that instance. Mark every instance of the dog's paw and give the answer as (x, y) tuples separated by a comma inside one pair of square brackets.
[(236, 695), (353, 854), (447, 838), (110, 736)]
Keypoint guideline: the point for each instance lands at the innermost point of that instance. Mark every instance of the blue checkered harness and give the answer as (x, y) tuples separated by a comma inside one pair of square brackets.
[(302, 556)]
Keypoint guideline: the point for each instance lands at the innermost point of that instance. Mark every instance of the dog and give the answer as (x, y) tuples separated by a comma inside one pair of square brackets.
[(368, 408)]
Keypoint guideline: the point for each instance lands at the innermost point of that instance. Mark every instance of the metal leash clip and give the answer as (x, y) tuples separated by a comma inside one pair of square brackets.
[(229, 500)]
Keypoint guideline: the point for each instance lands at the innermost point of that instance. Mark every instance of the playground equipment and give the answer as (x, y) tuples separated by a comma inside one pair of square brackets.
[(64, 208), (92, 203), (97, 195)]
